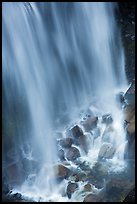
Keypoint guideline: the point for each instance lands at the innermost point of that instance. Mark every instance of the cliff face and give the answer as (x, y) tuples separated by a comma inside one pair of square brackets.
[(127, 24)]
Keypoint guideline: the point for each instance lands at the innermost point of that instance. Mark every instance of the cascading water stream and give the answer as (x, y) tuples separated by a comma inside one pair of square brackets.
[(58, 58)]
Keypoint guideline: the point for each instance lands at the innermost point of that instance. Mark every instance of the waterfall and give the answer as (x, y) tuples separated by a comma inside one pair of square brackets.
[(57, 59)]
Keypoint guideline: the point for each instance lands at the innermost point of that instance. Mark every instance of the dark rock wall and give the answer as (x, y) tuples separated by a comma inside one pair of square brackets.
[(127, 25)]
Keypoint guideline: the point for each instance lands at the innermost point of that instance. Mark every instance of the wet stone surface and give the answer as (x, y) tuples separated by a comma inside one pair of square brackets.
[(127, 24), (76, 131), (130, 197), (71, 188), (72, 154)]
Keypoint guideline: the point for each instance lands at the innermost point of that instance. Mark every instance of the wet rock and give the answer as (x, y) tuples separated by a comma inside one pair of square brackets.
[(117, 188), (98, 182), (66, 142), (130, 138), (130, 197), (100, 169), (116, 194), (61, 171), (17, 196), (5, 188), (120, 97), (130, 147), (90, 123), (85, 166), (72, 154), (80, 176), (131, 128), (61, 155), (15, 174), (106, 151), (83, 143), (87, 187), (130, 93), (90, 198), (107, 119), (71, 188), (129, 116), (125, 184), (76, 131), (129, 113), (132, 120), (128, 30)]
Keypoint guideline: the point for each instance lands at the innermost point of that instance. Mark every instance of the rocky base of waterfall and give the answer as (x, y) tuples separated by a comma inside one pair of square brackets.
[(100, 184), (93, 183)]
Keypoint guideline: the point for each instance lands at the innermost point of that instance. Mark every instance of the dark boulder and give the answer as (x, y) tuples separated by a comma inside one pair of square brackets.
[(76, 131), (61, 171), (66, 142), (72, 154), (87, 187), (61, 155), (17, 197), (71, 188), (80, 176)]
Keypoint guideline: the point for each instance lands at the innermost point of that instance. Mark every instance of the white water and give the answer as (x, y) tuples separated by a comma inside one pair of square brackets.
[(61, 57)]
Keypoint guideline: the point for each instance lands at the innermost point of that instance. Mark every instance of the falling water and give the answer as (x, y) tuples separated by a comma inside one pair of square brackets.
[(58, 58)]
